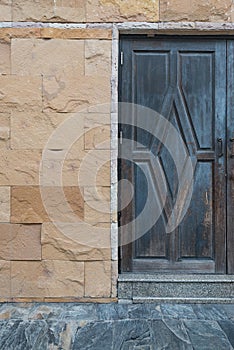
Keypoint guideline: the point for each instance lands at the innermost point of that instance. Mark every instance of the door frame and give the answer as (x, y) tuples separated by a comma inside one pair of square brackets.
[(225, 30)]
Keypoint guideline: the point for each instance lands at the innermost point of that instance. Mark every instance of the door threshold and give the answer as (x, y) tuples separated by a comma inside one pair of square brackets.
[(183, 288)]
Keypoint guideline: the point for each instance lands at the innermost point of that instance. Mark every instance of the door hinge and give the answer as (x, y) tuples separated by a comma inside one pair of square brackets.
[(119, 217), (121, 137), (121, 58)]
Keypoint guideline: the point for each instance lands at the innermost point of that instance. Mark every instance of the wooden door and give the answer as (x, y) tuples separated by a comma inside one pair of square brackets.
[(185, 80)]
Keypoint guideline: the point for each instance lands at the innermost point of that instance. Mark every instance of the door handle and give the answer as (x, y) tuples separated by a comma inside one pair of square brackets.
[(220, 146), (232, 146)]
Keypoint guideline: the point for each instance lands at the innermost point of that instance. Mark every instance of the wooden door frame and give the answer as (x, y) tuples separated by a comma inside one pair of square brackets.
[(222, 30)]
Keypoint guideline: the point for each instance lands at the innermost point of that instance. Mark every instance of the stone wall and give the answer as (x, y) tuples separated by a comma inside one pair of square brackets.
[(48, 74)]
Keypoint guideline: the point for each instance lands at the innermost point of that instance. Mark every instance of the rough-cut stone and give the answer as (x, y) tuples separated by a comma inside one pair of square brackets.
[(5, 66), (71, 94), (4, 130), (97, 131), (195, 10), (20, 93), (98, 279), (97, 194), (97, 205), (5, 287), (94, 212), (5, 10), (24, 10), (32, 130), (20, 242), (79, 168), (76, 33), (49, 10), (19, 167), (95, 170), (6, 34), (27, 205), (5, 204), (122, 10), (70, 10), (47, 57), (98, 57), (98, 137), (92, 120), (47, 279), (57, 245)]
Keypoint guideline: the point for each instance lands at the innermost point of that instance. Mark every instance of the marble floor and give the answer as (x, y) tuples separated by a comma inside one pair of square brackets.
[(64, 326)]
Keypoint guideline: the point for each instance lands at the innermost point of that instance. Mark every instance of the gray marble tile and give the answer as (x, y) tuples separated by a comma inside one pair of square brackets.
[(179, 311), (134, 334), (228, 328), (20, 335), (170, 334), (94, 336), (210, 312), (207, 335)]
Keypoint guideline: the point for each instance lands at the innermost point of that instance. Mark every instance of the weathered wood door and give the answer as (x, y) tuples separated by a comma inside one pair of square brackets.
[(190, 82)]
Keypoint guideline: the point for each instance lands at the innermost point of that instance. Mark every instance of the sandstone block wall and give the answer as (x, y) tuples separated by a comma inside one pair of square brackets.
[(48, 74)]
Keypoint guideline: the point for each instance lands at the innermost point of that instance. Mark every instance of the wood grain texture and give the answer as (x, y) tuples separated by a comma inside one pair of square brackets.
[(184, 79)]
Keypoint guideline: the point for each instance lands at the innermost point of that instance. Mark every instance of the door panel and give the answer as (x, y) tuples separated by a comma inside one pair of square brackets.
[(185, 81), (230, 157)]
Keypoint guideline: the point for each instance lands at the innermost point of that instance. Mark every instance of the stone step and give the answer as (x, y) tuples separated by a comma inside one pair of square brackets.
[(140, 288)]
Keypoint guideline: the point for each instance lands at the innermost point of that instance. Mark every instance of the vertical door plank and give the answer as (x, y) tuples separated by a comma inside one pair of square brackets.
[(230, 156)]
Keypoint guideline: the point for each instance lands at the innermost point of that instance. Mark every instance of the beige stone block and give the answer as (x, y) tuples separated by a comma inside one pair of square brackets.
[(95, 169), (5, 10), (232, 13), (4, 131), (122, 10), (195, 10), (73, 176), (37, 10), (98, 137), (98, 57), (72, 94), (97, 194), (98, 279), (49, 10), (5, 193), (94, 213), (97, 205), (19, 167), (76, 33), (71, 244), (47, 57), (20, 242), (70, 10), (6, 34), (5, 66), (5, 279), (47, 279), (92, 120), (33, 130), (20, 93), (29, 205)]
